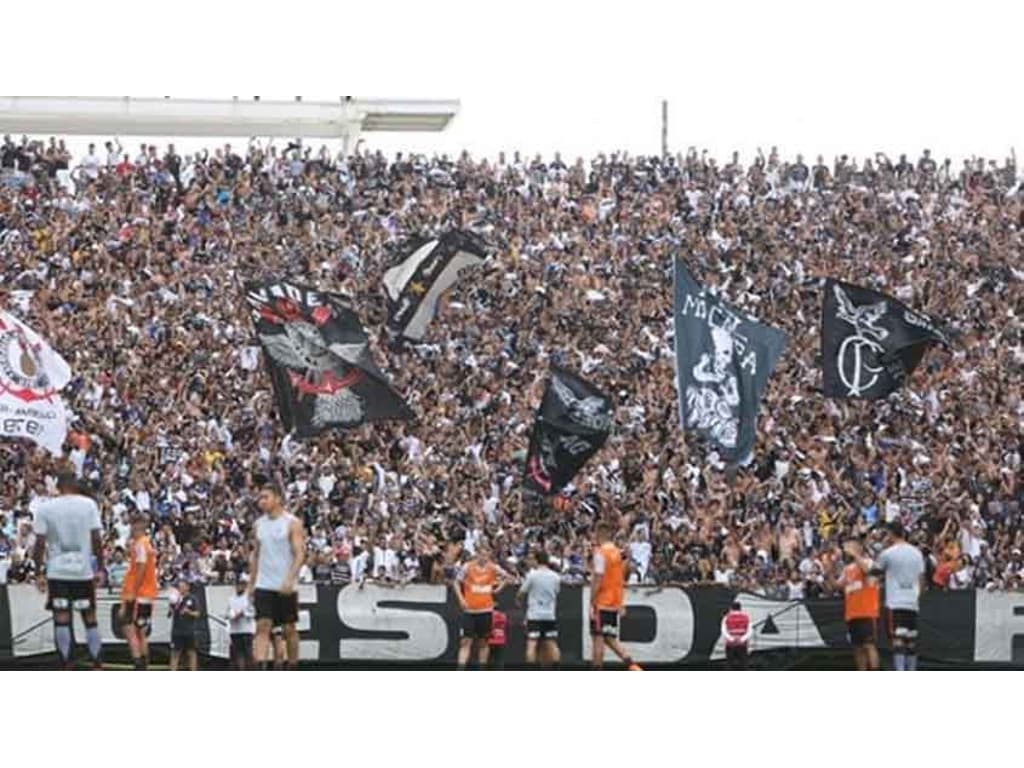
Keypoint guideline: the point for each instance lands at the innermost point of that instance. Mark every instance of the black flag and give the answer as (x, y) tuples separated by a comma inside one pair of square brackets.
[(431, 268), (870, 342), (319, 360), (723, 361), (572, 424)]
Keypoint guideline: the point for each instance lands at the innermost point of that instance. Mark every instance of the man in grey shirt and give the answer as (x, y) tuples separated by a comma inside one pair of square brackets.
[(904, 569), (541, 592)]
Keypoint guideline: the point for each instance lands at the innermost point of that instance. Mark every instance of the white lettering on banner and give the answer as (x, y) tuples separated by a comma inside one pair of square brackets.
[(285, 290), (695, 307), (217, 599), (776, 624), (718, 316), (996, 624), (32, 624), (424, 632), (673, 624)]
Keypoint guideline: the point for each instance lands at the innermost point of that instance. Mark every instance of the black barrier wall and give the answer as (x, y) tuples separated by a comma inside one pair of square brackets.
[(668, 626)]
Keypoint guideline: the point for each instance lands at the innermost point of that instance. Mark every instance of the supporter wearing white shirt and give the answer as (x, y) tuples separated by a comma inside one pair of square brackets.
[(385, 561), (360, 564), (640, 553), (77, 459), (91, 163), (241, 616)]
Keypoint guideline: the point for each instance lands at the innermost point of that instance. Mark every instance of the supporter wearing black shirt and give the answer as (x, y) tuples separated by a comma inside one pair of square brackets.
[(184, 618), (8, 155)]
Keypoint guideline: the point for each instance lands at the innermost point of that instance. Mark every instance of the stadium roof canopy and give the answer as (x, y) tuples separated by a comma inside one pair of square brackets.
[(343, 119)]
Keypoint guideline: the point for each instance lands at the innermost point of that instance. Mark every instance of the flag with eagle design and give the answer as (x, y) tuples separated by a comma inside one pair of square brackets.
[(319, 360)]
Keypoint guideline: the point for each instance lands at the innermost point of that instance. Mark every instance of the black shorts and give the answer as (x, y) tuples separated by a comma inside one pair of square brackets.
[(181, 643), (241, 647), (542, 630), (736, 656), (139, 614), (477, 625), (605, 624), (903, 625), (280, 609), (862, 632), (496, 658), (70, 595)]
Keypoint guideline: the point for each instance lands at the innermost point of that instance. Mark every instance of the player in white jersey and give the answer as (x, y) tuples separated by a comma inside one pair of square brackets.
[(904, 569), (540, 588), (280, 548), (68, 542)]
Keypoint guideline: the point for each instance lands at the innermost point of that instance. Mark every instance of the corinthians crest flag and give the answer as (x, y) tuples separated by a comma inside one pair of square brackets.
[(31, 375), (870, 342), (432, 267), (572, 424), (723, 361), (319, 360)]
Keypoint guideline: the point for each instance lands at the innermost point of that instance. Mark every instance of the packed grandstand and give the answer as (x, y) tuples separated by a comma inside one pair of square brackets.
[(132, 261)]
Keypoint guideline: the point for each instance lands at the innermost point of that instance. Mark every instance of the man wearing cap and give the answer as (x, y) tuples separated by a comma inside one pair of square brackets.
[(242, 624), (904, 569)]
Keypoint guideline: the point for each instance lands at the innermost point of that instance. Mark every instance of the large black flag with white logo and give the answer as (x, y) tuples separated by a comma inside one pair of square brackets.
[(572, 424), (870, 342), (431, 268), (723, 361), (319, 360)]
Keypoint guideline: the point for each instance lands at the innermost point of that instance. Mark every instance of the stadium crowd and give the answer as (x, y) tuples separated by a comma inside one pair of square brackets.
[(130, 263)]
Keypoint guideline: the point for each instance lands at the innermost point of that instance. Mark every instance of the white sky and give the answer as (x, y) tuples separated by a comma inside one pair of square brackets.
[(810, 77)]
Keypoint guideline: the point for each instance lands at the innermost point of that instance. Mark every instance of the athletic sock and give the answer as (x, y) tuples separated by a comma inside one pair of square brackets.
[(911, 662), (899, 661), (62, 636), (94, 642)]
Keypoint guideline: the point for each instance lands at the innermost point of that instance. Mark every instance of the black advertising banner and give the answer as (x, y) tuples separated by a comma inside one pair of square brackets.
[(664, 627), (870, 342), (572, 423), (319, 360), (724, 359)]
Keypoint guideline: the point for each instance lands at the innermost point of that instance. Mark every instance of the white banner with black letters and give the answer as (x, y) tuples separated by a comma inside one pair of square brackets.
[(663, 626)]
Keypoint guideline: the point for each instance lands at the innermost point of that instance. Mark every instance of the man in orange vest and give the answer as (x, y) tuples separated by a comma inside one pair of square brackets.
[(607, 599), (736, 630), (476, 586), (139, 592), (861, 606)]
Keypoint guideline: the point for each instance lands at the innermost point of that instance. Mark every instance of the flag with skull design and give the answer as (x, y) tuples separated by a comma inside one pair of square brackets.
[(723, 361), (572, 424), (319, 360), (870, 342)]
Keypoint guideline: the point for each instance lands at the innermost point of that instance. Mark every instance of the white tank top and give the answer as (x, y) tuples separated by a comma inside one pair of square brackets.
[(275, 551)]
